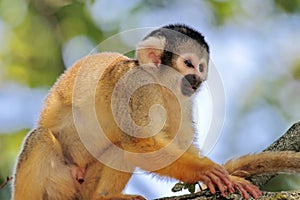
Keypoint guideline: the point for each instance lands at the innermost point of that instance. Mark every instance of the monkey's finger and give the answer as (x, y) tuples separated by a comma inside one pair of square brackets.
[(242, 191), (207, 181), (221, 169), (211, 187), (253, 190), (225, 179), (217, 181), (242, 184)]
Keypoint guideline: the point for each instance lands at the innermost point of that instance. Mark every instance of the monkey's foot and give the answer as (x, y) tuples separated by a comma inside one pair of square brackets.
[(246, 188), (120, 197)]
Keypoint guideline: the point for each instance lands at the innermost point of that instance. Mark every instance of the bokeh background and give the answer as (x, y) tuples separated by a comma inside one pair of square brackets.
[(254, 44)]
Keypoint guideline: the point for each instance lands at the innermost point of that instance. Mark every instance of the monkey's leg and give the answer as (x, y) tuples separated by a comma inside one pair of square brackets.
[(111, 184), (41, 172)]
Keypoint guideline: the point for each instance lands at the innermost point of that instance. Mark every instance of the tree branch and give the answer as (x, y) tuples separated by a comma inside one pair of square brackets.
[(206, 195), (290, 141), (6, 181)]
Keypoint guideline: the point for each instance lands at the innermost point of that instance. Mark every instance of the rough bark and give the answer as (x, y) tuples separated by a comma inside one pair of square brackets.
[(206, 195), (290, 141)]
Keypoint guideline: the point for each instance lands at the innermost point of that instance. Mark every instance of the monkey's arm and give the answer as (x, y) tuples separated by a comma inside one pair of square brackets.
[(172, 162), (261, 163), (165, 155), (191, 169)]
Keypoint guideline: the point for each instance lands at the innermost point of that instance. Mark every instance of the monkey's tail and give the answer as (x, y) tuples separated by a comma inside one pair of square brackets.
[(264, 163)]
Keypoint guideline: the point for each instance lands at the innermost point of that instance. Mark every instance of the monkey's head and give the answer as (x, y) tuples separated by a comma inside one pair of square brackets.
[(180, 47)]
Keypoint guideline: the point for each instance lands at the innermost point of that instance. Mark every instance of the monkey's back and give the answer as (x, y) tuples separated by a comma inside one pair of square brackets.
[(58, 104)]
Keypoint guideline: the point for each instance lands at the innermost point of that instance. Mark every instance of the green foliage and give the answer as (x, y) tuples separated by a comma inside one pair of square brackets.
[(289, 6), (283, 182), (223, 10), (183, 186), (33, 55), (73, 20), (33, 58), (296, 71), (9, 148)]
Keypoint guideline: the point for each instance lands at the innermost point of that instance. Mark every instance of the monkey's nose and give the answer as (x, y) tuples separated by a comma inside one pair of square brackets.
[(196, 82)]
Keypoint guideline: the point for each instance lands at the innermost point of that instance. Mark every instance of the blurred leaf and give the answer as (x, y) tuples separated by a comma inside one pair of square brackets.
[(130, 54), (183, 186), (10, 145), (74, 20), (223, 9), (33, 57), (155, 4), (283, 182), (296, 71), (289, 6), (191, 188), (178, 187), (13, 11)]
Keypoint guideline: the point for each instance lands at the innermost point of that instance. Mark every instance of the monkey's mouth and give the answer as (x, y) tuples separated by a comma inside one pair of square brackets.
[(189, 84), (187, 89)]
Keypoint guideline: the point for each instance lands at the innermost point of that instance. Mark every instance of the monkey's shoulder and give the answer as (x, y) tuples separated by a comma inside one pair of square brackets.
[(120, 70)]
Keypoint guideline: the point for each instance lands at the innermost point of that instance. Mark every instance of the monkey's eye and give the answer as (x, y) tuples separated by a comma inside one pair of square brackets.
[(201, 67), (188, 63)]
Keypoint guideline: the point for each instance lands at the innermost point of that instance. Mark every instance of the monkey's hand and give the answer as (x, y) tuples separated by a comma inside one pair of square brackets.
[(216, 177), (191, 169), (245, 187), (120, 197)]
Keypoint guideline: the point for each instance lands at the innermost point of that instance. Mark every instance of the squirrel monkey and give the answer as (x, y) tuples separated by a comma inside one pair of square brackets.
[(143, 106)]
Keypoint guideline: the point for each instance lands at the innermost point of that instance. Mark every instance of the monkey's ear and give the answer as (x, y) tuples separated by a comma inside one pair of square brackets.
[(149, 51)]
